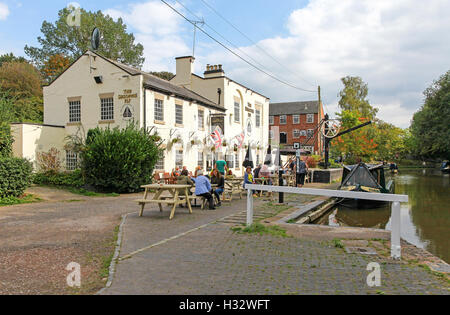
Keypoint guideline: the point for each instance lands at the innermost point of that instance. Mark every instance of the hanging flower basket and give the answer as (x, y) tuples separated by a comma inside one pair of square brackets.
[(224, 144), (213, 149)]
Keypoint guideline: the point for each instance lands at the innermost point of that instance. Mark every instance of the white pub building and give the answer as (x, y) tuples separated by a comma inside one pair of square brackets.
[(96, 91)]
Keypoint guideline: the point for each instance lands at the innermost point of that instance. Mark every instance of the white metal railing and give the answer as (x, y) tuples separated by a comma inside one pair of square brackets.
[(396, 250)]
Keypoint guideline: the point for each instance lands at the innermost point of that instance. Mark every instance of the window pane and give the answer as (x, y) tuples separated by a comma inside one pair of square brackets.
[(258, 118), (107, 109), (237, 112), (296, 119), (159, 110), (179, 159), (160, 164), (271, 120), (201, 159), (201, 119), (310, 119), (71, 161), (283, 120), (75, 111), (230, 161), (179, 114)]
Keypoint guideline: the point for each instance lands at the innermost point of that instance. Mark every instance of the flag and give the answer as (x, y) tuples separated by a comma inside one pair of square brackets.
[(240, 138), (216, 137)]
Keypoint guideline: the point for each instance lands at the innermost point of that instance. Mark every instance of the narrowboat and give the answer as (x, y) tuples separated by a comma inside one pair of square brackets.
[(365, 178), (445, 167)]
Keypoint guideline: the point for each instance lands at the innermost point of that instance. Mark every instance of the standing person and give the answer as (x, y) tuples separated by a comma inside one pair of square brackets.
[(301, 169), (221, 165), (219, 180), (203, 189)]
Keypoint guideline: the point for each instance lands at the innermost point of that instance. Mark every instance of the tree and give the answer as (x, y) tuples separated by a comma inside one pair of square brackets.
[(54, 66), (72, 41), (6, 116), (354, 97), (20, 86), (20, 79), (359, 144), (164, 75), (10, 58), (430, 125)]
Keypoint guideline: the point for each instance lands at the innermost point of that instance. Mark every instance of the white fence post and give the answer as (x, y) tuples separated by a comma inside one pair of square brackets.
[(396, 249), (249, 207)]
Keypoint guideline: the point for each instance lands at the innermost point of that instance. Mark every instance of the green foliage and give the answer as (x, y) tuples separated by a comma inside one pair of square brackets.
[(10, 58), (430, 126), (15, 176), (338, 243), (6, 116), (72, 42), (119, 160), (68, 179), (164, 75), (354, 97), (9, 201), (260, 229)]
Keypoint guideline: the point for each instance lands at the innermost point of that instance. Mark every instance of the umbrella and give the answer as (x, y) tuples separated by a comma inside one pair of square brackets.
[(248, 159), (268, 159)]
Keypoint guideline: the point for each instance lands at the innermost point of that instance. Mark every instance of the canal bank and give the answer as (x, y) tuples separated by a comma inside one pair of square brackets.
[(425, 218)]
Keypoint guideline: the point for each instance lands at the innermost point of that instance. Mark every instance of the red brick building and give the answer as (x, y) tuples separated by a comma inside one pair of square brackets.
[(296, 122)]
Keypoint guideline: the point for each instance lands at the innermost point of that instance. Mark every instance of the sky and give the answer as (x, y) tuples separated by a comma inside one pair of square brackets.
[(397, 47)]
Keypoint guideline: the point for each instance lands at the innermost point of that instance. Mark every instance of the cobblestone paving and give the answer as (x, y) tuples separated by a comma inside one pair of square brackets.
[(214, 260)]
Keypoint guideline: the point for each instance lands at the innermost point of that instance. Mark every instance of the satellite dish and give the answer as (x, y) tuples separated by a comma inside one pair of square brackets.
[(95, 39)]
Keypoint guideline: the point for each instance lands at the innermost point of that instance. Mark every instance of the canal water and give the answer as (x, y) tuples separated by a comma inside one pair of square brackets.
[(425, 219)]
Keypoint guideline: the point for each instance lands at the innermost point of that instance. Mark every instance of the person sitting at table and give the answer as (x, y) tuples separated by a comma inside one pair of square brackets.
[(184, 179), (219, 180), (248, 179), (203, 188), (265, 173), (256, 171)]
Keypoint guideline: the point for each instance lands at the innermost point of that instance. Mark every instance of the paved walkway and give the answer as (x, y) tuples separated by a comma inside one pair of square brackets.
[(199, 254)]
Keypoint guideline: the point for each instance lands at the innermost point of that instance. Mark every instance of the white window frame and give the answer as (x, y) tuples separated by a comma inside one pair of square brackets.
[(161, 162), (271, 120), (71, 161), (179, 158), (237, 161), (285, 120), (296, 119), (201, 159), (107, 109), (201, 119), (159, 110), (230, 161), (179, 114), (258, 118), (303, 133), (75, 111), (237, 112), (271, 134), (310, 118), (296, 133), (310, 133)]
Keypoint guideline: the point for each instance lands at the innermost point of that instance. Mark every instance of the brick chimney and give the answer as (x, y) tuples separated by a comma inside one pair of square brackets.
[(213, 71)]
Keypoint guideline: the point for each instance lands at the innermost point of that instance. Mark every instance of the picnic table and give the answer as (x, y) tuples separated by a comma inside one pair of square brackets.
[(174, 199), (233, 186)]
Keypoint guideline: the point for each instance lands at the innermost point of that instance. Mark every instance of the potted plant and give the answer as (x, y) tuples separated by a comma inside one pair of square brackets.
[(235, 148), (224, 143)]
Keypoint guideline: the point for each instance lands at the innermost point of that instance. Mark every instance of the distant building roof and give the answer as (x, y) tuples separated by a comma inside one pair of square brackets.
[(294, 108)]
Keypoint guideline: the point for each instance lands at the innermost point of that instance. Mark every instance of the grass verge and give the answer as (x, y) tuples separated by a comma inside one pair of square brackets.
[(260, 229), (28, 198)]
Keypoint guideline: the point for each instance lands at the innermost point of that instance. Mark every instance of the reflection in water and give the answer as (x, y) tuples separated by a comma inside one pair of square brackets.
[(425, 219)]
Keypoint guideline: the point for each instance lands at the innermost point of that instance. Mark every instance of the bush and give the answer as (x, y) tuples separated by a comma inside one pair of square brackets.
[(69, 179), (121, 161), (15, 176)]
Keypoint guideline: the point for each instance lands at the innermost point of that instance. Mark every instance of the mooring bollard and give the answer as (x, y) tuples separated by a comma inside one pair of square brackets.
[(396, 248)]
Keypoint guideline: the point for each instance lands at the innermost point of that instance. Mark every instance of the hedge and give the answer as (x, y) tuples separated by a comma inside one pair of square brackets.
[(15, 176), (119, 160), (68, 179)]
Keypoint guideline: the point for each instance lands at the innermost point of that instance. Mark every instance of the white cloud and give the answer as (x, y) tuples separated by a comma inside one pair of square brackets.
[(397, 47), (158, 28), (4, 11)]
